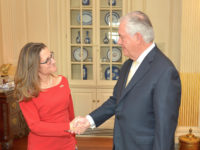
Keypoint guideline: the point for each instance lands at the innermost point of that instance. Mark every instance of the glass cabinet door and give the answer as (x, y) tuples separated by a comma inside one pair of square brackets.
[(95, 53), (110, 51), (81, 27)]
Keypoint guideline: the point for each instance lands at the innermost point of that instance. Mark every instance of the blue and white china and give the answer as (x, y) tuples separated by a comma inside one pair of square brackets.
[(85, 2), (77, 54), (106, 40), (115, 18), (116, 54), (113, 2), (115, 41), (115, 73), (87, 39), (84, 72), (86, 18), (78, 38)]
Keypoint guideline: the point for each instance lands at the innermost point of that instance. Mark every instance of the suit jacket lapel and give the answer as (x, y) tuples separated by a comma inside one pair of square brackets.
[(123, 78), (139, 74)]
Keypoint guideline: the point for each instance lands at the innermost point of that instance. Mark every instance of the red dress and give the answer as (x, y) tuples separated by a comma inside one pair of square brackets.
[(48, 116)]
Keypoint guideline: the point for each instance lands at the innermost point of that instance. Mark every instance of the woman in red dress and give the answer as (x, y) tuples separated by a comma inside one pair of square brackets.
[(45, 100)]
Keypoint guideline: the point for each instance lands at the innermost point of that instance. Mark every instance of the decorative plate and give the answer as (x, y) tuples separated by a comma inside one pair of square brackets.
[(85, 2), (77, 54), (115, 18), (86, 18), (116, 54), (115, 73)]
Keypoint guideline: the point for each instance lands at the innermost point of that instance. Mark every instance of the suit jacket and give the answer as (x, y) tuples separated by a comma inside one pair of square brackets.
[(146, 111)]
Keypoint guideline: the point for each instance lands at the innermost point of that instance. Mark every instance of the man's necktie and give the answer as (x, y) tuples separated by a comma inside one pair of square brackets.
[(132, 71)]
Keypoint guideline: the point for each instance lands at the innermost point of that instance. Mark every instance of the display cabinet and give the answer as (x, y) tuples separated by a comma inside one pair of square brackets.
[(94, 54), (81, 42)]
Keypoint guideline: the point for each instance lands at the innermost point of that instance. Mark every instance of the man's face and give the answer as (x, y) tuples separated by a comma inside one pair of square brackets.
[(128, 42)]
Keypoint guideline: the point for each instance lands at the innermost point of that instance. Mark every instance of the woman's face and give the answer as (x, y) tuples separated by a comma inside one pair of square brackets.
[(47, 62)]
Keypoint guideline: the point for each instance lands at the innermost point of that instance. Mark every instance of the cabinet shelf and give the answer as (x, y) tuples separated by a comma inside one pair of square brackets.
[(81, 26), (111, 8), (83, 62), (77, 8), (108, 27), (79, 45), (82, 8), (110, 63), (110, 45)]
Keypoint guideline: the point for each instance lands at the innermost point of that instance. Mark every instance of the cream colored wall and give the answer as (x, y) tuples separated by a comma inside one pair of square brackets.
[(13, 29), (33, 21), (190, 65), (166, 20), (190, 39)]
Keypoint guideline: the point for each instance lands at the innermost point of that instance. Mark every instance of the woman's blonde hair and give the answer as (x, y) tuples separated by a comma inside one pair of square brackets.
[(27, 81)]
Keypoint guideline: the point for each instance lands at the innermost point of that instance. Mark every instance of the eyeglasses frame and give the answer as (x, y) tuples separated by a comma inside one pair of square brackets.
[(49, 58)]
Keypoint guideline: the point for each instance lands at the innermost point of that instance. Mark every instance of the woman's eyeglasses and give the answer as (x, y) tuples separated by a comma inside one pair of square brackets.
[(48, 60)]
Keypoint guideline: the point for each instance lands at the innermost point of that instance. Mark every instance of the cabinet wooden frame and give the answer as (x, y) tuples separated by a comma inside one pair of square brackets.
[(97, 60)]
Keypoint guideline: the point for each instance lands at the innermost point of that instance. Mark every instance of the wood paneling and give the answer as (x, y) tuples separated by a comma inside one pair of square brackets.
[(13, 29), (189, 110), (37, 15), (190, 37)]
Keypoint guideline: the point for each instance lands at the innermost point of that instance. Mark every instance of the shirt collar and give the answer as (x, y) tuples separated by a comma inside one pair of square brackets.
[(145, 53)]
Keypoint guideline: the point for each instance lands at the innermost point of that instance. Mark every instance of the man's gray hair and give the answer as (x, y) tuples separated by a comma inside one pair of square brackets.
[(139, 22)]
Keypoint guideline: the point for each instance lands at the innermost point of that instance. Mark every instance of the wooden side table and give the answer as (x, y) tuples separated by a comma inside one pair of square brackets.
[(12, 124)]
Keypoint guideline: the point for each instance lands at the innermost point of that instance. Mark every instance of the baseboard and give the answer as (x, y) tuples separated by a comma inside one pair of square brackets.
[(102, 132)]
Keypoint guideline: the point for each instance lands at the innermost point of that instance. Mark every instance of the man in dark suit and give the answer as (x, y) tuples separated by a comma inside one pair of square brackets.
[(146, 98)]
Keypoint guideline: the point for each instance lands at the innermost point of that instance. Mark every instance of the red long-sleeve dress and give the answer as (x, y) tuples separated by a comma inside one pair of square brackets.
[(48, 117)]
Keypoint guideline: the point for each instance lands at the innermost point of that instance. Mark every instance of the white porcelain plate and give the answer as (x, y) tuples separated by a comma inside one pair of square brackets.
[(77, 54), (116, 54), (115, 18), (86, 18)]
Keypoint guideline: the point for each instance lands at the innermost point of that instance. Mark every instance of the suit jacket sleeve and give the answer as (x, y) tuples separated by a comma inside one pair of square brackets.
[(107, 110), (166, 101)]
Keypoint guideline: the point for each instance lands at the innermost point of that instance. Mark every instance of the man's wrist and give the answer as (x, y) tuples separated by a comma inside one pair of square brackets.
[(91, 121)]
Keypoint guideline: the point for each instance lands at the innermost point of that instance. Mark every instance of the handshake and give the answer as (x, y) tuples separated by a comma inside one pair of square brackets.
[(79, 125)]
